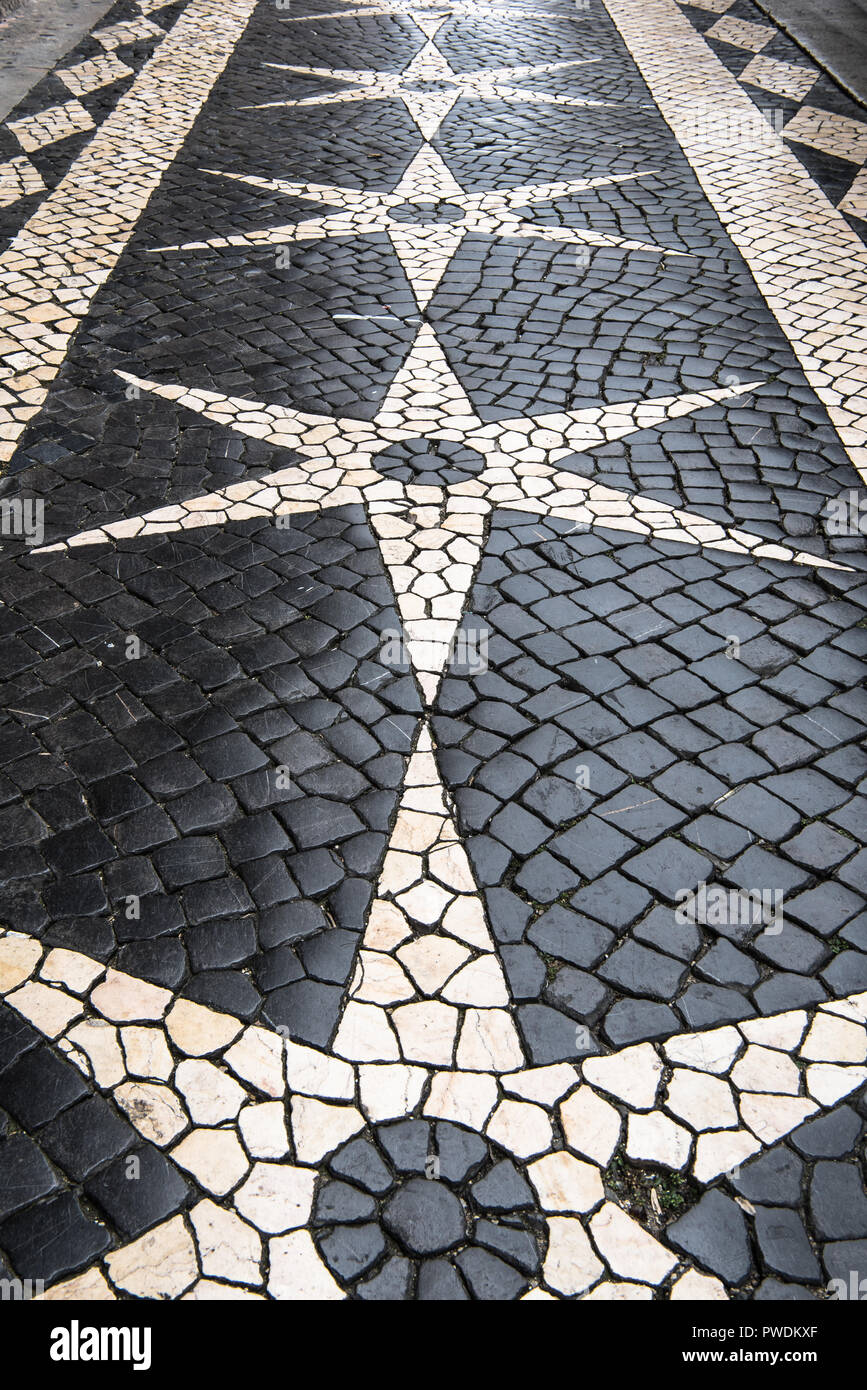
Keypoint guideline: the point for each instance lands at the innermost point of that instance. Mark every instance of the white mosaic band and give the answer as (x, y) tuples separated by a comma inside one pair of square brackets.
[(53, 268), (806, 260)]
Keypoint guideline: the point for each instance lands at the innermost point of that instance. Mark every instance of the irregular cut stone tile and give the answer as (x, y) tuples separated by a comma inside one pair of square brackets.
[(693, 1287), (155, 1110), (565, 1184), (425, 1216), (389, 1090), (521, 1128), (386, 928), (19, 957), (124, 999), (297, 1274), (210, 1095), (654, 1138), (199, 1031), (399, 870), (632, 1075), (855, 1007), (714, 1233), (467, 1098), (228, 1247), (545, 1085), (431, 960), (425, 903), (713, 1051), (316, 1074), (379, 979), (571, 1265), (214, 1157), (263, 1129), (783, 1031), (479, 983), (828, 1083), (628, 1249), (616, 1292), (414, 832), (161, 1264), (719, 1151), (704, 1102), (101, 1044), (51, 1010), (352, 1250), (489, 1041), (146, 1053), (257, 1057), (90, 1287), (426, 1031), (764, 1069), (68, 968), (465, 919), (319, 1128), (591, 1125), (834, 1040), (451, 866), (276, 1197), (365, 1035), (784, 1245), (770, 1117)]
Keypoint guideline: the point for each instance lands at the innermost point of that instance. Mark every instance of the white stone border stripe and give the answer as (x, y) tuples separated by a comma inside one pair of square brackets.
[(808, 264), (53, 268)]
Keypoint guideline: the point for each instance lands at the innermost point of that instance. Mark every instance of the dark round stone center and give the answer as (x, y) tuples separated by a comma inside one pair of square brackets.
[(428, 210), (425, 1217), (432, 463)]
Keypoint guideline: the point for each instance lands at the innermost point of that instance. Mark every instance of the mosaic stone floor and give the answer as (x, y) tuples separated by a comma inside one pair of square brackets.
[(432, 768)]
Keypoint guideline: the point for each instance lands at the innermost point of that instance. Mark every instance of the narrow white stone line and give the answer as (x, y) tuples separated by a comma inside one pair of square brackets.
[(53, 268), (809, 265)]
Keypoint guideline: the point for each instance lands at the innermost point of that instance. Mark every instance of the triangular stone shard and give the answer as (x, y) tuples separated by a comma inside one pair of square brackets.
[(430, 109), (428, 984), (429, 27), (428, 176), (428, 65), (425, 253)]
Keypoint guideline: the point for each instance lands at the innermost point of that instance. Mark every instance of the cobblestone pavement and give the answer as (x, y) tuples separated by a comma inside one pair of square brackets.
[(433, 613)]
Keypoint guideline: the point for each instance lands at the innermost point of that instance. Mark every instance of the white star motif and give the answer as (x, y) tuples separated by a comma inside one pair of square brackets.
[(425, 247), (429, 108), (336, 467)]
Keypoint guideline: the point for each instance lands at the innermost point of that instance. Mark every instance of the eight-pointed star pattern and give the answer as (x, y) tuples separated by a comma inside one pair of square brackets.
[(426, 401)]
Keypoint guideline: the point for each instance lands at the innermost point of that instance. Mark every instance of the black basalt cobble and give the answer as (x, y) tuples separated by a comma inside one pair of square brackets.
[(425, 1217), (714, 1233), (197, 796), (212, 814), (620, 783)]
